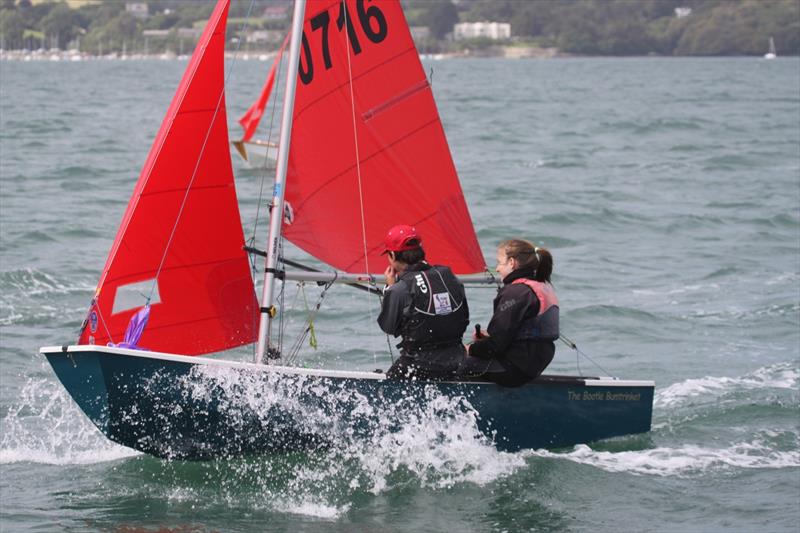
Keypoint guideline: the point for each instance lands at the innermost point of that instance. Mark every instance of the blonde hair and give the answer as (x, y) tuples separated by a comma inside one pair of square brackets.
[(529, 255)]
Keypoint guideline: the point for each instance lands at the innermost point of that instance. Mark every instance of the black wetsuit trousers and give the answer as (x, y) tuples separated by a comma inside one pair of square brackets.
[(439, 364), (519, 365)]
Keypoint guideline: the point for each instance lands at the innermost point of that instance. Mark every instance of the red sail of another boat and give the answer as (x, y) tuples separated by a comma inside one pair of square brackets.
[(250, 119), (361, 79), (182, 230)]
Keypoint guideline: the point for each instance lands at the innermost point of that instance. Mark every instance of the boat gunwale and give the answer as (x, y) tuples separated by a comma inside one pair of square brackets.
[(545, 379)]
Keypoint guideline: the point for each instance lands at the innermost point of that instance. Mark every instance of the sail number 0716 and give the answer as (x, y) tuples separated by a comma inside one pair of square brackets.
[(373, 25)]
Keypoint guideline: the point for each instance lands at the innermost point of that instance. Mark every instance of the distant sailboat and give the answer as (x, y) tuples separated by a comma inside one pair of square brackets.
[(255, 151), (771, 54)]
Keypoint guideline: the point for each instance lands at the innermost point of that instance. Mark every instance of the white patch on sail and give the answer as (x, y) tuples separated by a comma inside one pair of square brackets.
[(135, 295), (441, 302)]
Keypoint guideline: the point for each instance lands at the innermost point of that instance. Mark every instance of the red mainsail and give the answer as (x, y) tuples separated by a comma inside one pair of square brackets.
[(360, 78), (182, 228)]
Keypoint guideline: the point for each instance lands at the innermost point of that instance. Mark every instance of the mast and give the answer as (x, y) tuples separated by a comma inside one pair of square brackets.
[(268, 310)]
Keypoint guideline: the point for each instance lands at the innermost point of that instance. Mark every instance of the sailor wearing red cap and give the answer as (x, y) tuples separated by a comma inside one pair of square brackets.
[(426, 306)]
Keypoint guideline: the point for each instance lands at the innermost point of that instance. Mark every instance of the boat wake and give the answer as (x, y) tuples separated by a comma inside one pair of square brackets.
[(689, 460), (724, 406), (782, 377)]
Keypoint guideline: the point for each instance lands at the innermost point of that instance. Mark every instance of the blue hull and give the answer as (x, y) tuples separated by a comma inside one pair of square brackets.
[(197, 408)]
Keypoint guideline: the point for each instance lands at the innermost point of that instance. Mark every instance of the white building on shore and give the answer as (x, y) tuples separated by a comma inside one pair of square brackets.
[(491, 30), (137, 9)]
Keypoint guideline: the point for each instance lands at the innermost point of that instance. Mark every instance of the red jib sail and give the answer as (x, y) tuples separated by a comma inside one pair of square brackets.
[(342, 193), (182, 229)]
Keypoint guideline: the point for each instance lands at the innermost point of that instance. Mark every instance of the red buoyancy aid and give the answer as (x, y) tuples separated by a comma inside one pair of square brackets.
[(545, 325)]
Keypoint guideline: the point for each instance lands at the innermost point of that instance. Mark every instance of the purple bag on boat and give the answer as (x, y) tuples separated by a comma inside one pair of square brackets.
[(135, 329)]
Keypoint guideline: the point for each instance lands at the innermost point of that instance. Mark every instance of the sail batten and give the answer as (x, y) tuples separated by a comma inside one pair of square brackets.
[(395, 100), (183, 190), (124, 280)]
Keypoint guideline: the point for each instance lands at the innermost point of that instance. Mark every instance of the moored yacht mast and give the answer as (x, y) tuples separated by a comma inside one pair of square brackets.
[(268, 310)]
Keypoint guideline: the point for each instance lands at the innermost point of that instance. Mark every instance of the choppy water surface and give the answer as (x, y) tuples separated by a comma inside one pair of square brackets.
[(669, 193)]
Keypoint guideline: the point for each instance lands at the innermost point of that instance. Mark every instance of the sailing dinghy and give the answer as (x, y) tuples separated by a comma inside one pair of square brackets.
[(359, 128)]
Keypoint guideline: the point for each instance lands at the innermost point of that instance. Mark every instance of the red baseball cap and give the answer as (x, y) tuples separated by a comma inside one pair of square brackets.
[(401, 238)]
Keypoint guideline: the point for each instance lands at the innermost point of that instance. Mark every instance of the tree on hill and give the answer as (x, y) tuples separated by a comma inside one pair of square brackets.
[(439, 17), (62, 24), (589, 27), (742, 28), (114, 34), (12, 28), (627, 27)]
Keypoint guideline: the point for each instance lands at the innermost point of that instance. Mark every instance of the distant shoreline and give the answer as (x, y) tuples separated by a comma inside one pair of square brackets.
[(508, 52)]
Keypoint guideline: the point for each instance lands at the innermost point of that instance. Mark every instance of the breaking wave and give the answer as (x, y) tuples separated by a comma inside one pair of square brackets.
[(29, 296), (781, 376), (33, 282), (46, 426)]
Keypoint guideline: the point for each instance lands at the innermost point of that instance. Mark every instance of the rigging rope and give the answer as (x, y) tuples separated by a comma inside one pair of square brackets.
[(309, 324), (312, 340), (578, 353), (92, 305), (281, 301)]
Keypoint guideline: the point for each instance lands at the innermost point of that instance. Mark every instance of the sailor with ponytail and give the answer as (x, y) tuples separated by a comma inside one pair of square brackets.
[(519, 341)]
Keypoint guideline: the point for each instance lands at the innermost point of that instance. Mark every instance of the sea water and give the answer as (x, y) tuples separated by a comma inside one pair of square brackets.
[(667, 189)]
